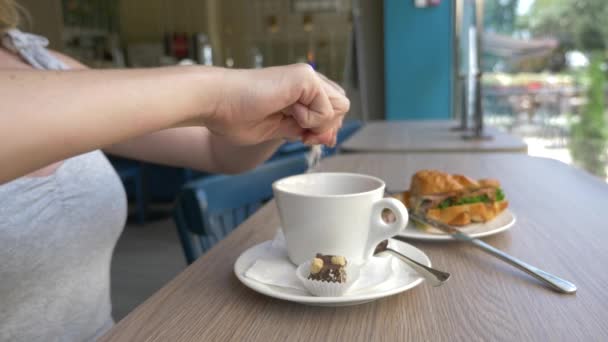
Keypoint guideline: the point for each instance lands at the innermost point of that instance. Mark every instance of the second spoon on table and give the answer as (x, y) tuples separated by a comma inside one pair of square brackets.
[(435, 277)]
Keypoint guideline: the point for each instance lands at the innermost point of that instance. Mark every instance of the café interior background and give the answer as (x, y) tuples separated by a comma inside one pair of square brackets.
[(231, 33)]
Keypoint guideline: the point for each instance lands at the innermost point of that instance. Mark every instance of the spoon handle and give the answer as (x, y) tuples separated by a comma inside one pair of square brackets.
[(435, 277), (556, 283)]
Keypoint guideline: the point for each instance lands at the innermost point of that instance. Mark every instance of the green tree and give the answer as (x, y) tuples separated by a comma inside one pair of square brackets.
[(579, 24), (588, 141), (500, 15)]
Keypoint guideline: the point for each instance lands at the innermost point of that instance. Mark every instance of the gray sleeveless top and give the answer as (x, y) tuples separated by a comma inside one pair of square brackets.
[(57, 235)]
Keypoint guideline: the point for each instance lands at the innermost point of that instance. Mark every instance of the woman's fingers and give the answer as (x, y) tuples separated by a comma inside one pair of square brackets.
[(295, 108), (316, 110), (328, 138), (333, 84), (313, 106), (340, 105), (336, 95), (325, 138), (289, 129), (310, 119), (314, 114), (278, 102)]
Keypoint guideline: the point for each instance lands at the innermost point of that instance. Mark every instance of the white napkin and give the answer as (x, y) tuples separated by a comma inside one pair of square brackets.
[(274, 268)]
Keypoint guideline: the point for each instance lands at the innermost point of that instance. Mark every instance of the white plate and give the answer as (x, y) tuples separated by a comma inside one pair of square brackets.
[(499, 224), (403, 278)]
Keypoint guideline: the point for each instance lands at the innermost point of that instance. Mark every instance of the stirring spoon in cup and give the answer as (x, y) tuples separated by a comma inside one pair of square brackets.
[(435, 277)]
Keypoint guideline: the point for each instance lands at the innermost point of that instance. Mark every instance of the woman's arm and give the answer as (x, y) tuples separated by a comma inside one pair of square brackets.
[(191, 147), (198, 148), (50, 116), (195, 148)]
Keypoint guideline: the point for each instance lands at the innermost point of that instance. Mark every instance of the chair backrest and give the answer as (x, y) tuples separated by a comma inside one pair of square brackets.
[(208, 209)]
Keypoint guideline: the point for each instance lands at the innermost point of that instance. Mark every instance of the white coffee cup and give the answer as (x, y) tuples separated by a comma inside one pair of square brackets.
[(335, 213)]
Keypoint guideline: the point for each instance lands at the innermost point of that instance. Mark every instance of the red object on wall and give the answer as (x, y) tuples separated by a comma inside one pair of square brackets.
[(180, 45)]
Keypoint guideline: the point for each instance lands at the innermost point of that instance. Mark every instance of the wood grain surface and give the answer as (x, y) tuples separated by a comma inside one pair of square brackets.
[(561, 228), (427, 136)]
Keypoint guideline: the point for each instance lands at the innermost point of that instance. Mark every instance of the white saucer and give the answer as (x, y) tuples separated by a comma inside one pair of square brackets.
[(499, 224), (403, 278)]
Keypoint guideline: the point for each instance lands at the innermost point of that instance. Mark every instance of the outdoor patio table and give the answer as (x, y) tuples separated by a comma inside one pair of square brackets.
[(560, 228), (427, 136)]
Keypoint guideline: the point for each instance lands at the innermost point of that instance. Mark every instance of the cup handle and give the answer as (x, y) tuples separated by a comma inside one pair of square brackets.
[(381, 230)]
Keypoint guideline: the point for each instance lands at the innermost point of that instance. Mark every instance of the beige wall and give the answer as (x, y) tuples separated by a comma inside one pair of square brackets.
[(46, 20), (243, 26), (370, 44), (145, 21), (236, 26)]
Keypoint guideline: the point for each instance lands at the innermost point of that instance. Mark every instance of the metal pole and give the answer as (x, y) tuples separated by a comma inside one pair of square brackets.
[(459, 101), (477, 133), (478, 99)]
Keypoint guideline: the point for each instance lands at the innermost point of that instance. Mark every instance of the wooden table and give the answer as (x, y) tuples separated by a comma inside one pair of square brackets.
[(428, 136), (560, 228)]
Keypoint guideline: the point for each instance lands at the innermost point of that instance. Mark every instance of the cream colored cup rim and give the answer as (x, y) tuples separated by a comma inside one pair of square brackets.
[(276, 184)]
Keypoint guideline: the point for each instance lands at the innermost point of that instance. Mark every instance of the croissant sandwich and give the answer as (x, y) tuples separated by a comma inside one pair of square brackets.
[(454, 199)]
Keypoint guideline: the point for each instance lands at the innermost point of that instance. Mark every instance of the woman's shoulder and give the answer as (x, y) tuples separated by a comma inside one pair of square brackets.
[(9, 60)]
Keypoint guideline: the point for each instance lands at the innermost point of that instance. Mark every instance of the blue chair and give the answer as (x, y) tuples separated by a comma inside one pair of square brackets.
[(208, 209), (164, 182)]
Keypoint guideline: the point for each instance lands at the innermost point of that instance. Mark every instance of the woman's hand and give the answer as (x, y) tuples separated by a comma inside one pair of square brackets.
[(280, 102)]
